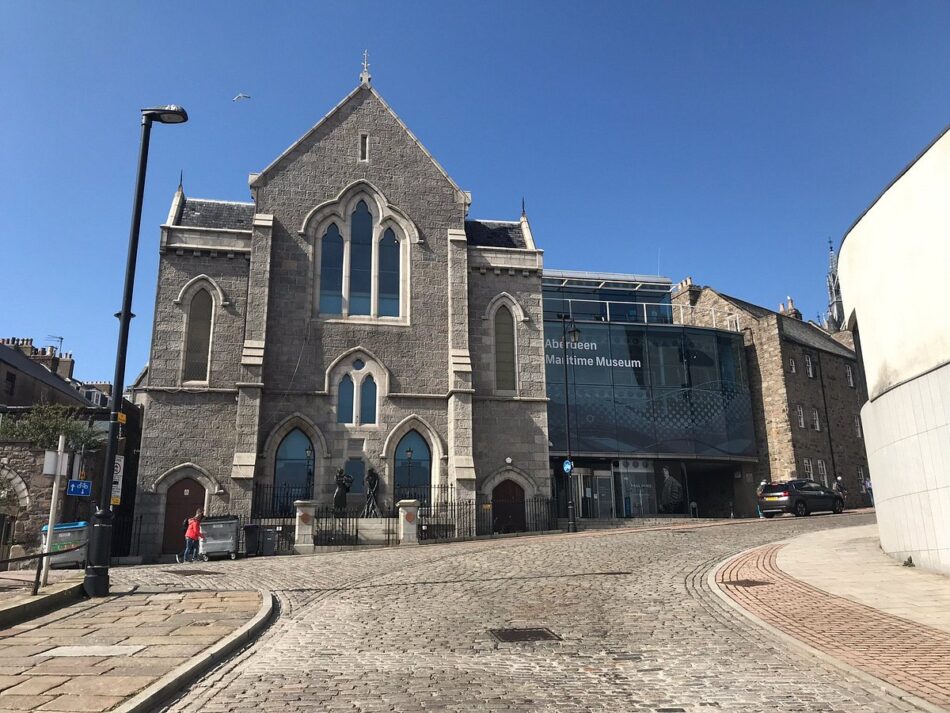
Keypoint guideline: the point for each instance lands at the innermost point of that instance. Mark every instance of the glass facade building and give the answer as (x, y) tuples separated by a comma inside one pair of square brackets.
[(657, 415)]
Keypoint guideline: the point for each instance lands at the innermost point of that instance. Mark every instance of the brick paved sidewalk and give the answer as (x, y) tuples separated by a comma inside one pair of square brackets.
[(906, 654), (95, 654)]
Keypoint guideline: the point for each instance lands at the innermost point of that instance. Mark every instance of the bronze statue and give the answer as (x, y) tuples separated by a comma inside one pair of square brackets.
[(370, 509), (343, 483)]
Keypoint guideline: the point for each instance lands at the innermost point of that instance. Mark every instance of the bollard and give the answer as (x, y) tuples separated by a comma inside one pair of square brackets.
[(408, 522), (303, 534)]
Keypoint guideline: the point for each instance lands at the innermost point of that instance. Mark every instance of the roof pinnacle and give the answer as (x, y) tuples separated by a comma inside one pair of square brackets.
[(365, 76)]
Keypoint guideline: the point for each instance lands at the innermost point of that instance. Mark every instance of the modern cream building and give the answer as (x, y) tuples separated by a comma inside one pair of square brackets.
[(903, 240)]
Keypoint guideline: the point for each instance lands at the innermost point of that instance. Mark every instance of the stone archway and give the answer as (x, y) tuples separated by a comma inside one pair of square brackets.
[(14, 495)]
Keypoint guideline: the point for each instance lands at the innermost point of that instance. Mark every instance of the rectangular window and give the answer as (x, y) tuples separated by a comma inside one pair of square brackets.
[(364, 147), (822, 472), (862, 479), (815, 423), (801, 416), (791, 365), (807, 464), (809, 367), (10, 383), (857, 427), (850, 374), (356, 469)]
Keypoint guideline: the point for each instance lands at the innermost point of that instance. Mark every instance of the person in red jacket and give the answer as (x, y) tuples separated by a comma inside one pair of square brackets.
[(193, 533)]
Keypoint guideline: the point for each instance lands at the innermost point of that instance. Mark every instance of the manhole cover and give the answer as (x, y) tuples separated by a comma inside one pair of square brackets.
[(747, 583), (190, 572), (512, 635)]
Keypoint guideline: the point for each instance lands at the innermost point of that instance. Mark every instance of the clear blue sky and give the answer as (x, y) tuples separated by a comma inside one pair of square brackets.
[(734, 138)]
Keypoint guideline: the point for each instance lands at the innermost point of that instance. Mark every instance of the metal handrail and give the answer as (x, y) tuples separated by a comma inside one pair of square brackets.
[(666, 311), (39, 562)]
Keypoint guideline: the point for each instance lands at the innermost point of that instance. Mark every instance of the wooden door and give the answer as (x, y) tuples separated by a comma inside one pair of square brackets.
[(507, 502), (181, 501)]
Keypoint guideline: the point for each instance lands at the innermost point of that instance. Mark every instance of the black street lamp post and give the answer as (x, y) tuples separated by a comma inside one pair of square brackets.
[(96, 582), (409, 473), (575, 333), (309, 488)]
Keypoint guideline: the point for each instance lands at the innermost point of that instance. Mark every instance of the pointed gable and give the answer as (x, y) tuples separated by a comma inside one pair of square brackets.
[(305, 144)]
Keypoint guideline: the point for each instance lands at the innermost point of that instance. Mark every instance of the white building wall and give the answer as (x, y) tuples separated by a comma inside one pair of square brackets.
[(903, 242)]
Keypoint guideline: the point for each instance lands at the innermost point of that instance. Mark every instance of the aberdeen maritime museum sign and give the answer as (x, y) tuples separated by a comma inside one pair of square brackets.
[(583, 353), (553, 358)]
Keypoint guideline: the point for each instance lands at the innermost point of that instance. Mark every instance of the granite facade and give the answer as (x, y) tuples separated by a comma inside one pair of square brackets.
[(277, 362)]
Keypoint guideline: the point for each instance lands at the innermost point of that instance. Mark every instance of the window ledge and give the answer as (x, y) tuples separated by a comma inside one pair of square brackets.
[(375, 321)]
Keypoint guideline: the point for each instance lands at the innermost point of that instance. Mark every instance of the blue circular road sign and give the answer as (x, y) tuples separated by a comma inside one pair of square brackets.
[(568, 466)]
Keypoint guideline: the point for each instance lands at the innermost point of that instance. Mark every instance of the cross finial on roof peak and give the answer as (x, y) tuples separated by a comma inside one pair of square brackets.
[(365, 76)]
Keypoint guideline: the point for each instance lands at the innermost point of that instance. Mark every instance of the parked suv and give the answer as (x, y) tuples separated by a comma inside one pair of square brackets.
[(799, 497)]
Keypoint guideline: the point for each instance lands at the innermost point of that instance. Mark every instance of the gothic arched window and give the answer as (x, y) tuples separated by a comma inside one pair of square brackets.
[(505, 378), (293, 466), (344, 406), (331, 271), (389, 275), (413, 467), (361, 260), (198, 337), (368, 400)]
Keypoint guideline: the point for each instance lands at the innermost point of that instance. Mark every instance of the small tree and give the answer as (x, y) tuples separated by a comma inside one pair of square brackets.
[(43, 424)]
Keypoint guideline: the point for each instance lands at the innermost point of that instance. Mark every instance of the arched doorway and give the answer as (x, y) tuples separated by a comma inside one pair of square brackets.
[(507, 506), (181, 501), (413, 468), (293, 474)]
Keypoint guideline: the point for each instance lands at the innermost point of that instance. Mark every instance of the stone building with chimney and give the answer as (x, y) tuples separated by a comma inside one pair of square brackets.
[(351, 316), (806, 394)]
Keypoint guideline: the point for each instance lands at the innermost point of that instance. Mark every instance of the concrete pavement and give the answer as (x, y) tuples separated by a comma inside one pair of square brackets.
[(98, 654)]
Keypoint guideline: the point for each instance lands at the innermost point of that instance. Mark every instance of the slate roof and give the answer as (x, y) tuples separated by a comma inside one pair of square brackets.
[(796, 330), (815, 337), (495, 234), (198, 213), (22, 363)]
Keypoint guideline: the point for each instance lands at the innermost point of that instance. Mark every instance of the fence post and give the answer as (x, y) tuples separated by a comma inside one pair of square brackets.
[(303, 533), (408, 522)]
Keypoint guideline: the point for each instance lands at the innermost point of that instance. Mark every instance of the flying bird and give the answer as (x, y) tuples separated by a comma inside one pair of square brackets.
[(240, 97)]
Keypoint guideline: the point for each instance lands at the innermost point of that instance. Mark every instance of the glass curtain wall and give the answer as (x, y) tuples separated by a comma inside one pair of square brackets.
[(649, 390)]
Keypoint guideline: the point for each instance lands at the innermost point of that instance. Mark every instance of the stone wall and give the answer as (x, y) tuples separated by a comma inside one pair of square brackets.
[(777, 392), (509, 426), (29, 493)]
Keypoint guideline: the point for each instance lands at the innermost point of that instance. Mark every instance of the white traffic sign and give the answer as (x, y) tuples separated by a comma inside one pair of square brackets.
[(117, 479)]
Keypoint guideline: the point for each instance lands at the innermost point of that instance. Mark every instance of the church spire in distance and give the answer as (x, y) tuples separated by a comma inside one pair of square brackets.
[(365, 76), (834, 320)]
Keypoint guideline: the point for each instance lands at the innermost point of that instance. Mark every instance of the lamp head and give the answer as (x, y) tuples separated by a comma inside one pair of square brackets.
[(409, 453), (170, 114), (573, 333)]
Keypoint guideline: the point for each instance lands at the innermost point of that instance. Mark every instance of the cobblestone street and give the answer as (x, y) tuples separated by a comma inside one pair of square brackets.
[(408, 629)]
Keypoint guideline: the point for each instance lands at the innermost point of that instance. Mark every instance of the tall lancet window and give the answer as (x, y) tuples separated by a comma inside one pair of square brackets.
[(368, 401), (389, 275), (361, 260), (198, 339), (505, 379), (331, 272), (344, 406)]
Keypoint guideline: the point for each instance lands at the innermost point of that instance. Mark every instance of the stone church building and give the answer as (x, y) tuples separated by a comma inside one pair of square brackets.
[(351, 317)]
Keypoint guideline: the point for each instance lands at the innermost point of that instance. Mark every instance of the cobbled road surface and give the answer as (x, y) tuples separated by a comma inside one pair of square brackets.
[(407, 629)]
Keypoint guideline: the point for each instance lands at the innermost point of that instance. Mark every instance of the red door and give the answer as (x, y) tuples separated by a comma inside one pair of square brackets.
[(507, 505), (181, 501)]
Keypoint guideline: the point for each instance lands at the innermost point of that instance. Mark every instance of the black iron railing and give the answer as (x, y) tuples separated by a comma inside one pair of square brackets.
[(278, 500)]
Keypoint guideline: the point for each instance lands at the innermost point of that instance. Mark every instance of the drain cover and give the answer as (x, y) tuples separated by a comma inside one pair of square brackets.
[(512, 635), (747, 583), (190, 572)]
